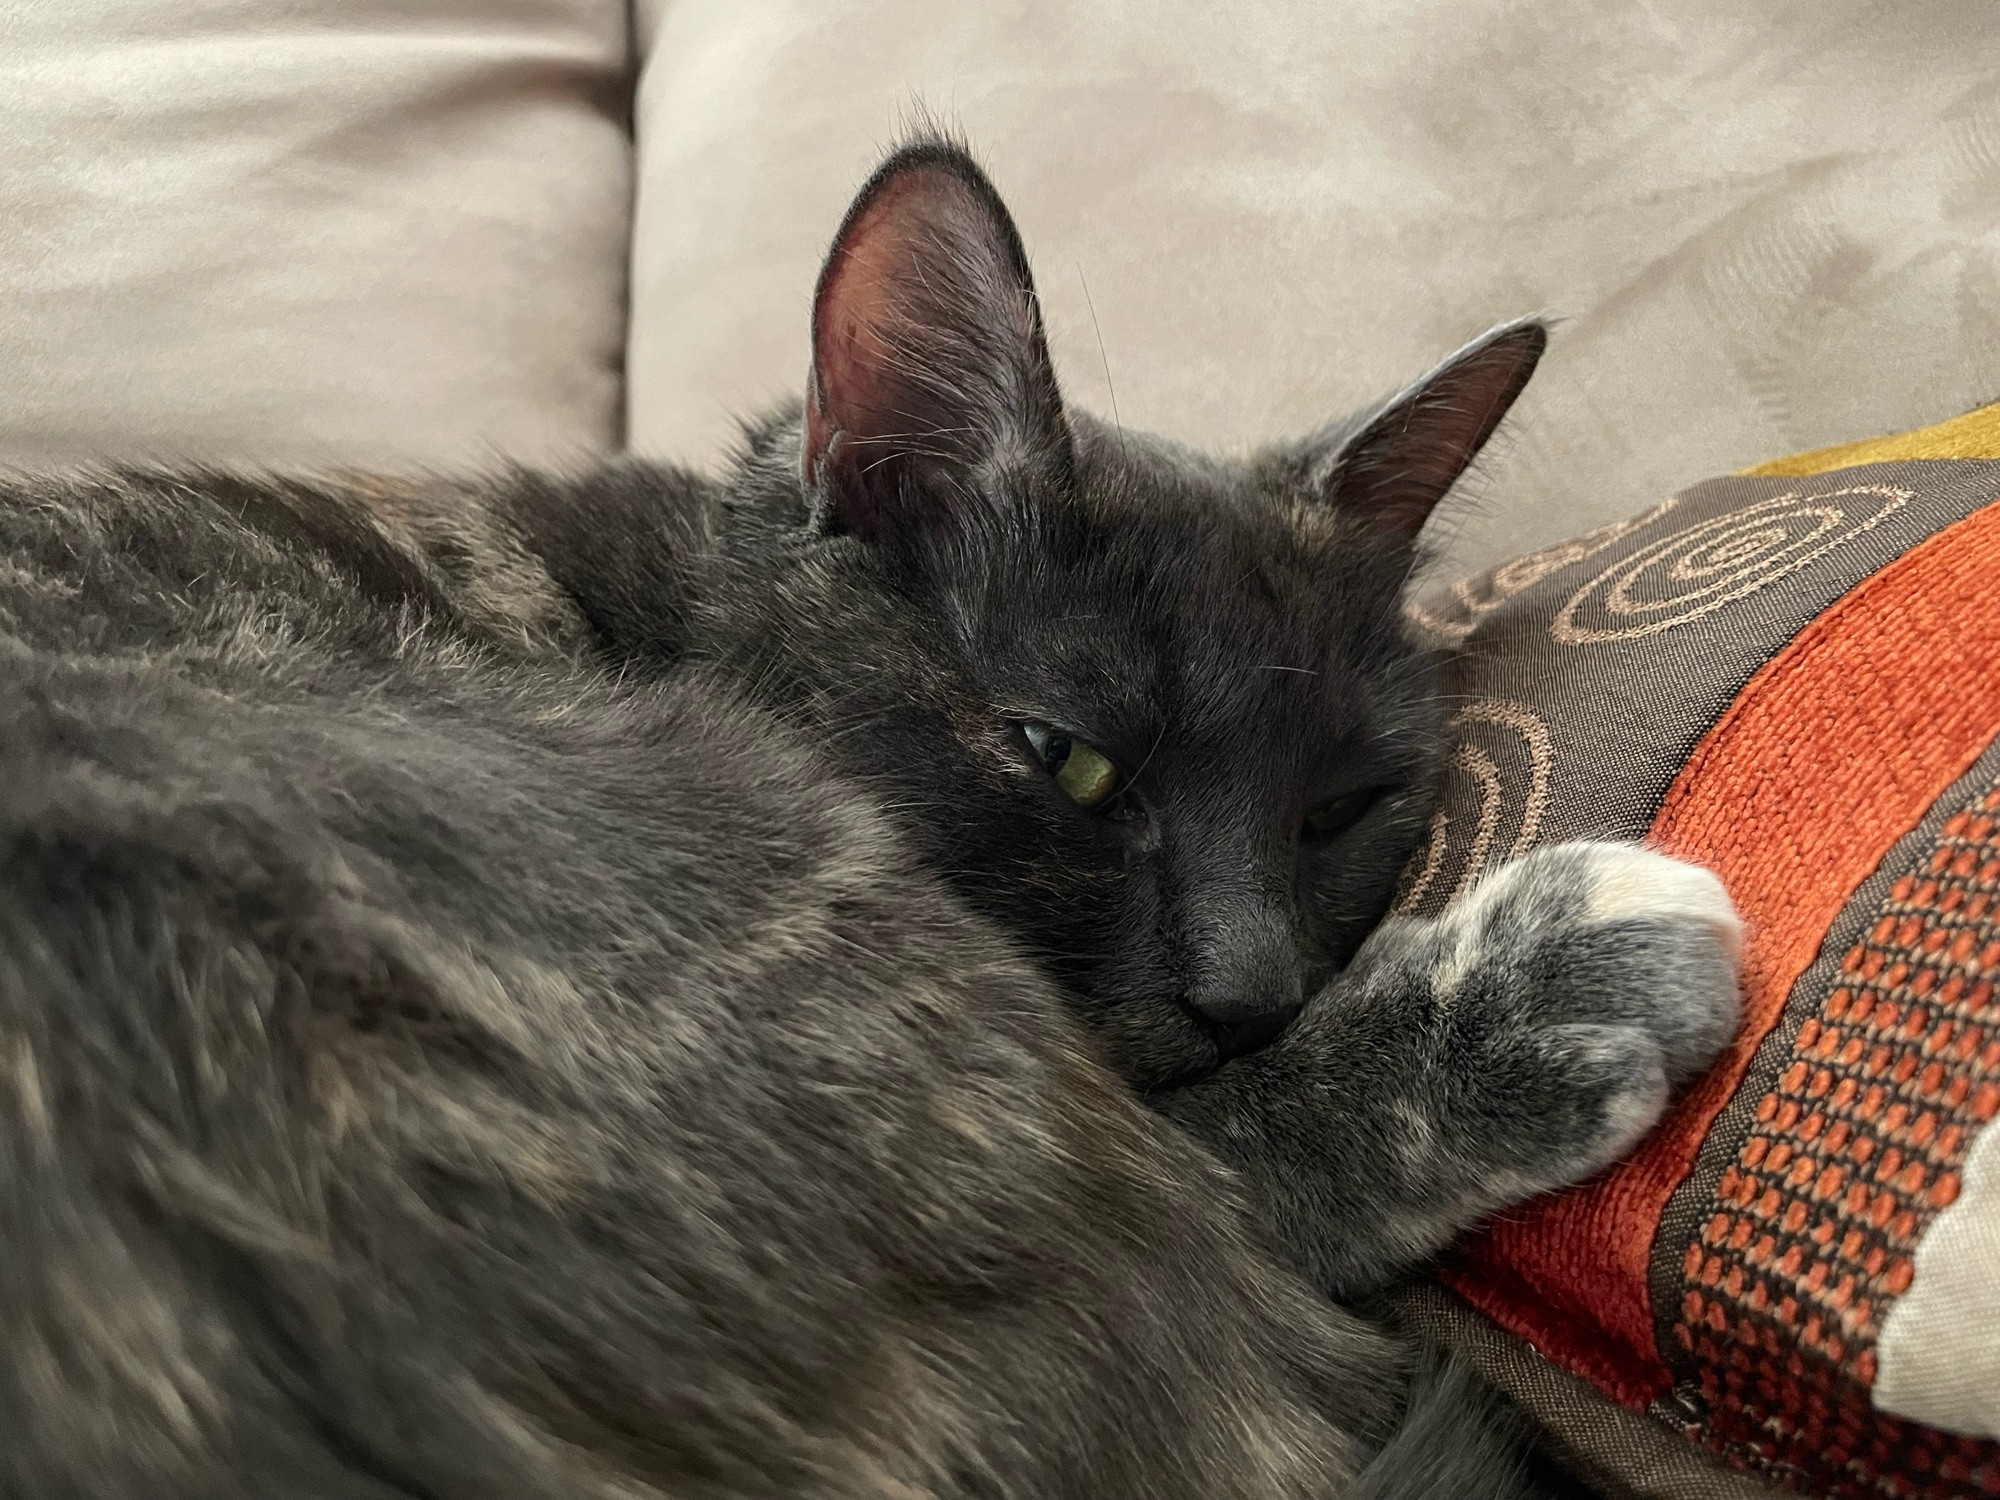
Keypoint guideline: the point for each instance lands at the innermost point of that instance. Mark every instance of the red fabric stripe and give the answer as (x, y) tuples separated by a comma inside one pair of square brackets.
[(1832, 752)]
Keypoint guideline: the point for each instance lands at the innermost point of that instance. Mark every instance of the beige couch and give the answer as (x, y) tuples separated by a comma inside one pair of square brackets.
[(385, 233)]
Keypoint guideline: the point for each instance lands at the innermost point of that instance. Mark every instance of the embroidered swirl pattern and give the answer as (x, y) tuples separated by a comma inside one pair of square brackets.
[(1470, 600), (1704, 567), (1510, 769)]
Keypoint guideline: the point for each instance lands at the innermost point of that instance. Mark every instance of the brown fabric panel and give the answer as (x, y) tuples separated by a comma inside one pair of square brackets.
[(1587, 673), (1618, 1453)]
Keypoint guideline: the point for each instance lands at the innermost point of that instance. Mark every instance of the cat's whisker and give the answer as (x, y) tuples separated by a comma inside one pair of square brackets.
[(911, 437), (1158, 740), (1105, 358)]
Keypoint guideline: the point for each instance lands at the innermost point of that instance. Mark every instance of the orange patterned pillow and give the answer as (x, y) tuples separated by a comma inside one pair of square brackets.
[(1793, 677)]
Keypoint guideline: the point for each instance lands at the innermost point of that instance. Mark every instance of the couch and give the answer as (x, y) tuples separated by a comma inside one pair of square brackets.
[(370, 233)]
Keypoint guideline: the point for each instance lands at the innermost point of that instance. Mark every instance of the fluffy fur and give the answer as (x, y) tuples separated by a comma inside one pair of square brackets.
[(580, 987)]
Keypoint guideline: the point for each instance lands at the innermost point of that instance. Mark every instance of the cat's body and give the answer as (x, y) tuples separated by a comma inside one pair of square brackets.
[(604, 987), (440, 1069)]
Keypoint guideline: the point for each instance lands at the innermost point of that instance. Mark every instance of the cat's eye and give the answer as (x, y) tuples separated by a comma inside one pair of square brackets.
[(1333, 818), (1084, 772)]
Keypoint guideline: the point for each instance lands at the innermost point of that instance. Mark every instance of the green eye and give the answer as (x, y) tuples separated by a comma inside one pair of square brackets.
[(1084, 772)]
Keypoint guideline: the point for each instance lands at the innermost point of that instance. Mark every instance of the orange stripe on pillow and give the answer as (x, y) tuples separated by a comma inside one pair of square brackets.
[(1832, 752)]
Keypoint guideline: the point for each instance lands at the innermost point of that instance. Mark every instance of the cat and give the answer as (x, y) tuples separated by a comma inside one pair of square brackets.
[(866, 976)]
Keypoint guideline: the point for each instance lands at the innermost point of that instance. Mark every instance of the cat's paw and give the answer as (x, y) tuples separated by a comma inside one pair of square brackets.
[(1574, 988)]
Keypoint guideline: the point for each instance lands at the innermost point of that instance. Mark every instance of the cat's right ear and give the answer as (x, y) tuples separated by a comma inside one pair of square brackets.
[(931, 388), (1400, 462)]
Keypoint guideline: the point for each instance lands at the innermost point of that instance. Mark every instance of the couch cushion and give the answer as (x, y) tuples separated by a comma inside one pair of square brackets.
[(1767, 226), (1786, 676), (353, 230)]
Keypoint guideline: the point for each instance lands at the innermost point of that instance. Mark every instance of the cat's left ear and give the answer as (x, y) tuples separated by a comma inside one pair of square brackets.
[(930, 379), (1402, 460)]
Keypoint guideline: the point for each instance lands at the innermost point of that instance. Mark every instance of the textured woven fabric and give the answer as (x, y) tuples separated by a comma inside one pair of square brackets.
[(1794, 678), (1847, 1137)]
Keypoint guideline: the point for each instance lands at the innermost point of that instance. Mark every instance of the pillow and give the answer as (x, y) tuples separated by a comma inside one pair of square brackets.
[(361, 233), (1791, 676)]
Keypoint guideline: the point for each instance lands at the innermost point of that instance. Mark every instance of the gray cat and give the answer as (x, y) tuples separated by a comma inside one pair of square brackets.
[(853, 979)]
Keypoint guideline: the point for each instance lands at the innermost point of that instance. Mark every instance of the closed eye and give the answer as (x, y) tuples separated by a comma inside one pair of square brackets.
[(1334, 817)]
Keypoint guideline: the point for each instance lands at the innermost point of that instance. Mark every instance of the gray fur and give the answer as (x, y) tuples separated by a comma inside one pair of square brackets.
[(436, 1067), (1522, 1041), (574, 986)]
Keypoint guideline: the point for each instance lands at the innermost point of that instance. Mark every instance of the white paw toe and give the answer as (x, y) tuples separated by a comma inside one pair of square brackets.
[(1628, 883)]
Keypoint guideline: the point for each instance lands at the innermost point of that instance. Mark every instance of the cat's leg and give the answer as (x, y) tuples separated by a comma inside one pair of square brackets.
[(1521, 1041)]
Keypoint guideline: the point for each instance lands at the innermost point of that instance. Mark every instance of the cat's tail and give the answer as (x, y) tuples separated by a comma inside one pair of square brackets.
[(1461, 1439)]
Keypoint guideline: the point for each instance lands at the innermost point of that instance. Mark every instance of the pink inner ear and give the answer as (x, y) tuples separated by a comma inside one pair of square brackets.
[(857, 323), (878, 291), (927, 350)]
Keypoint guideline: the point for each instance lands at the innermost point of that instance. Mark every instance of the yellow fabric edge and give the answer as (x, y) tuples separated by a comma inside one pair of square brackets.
[(1974, 435)]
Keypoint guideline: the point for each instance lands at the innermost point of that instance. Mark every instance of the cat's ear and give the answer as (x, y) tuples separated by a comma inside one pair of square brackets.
[(930, 373), (1400, 462)]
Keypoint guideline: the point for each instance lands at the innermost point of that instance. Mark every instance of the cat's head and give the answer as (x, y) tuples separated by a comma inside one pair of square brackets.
[(1153, 711)]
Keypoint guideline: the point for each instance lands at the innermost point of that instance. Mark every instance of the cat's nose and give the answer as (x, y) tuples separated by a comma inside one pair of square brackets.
[(1249, 990)]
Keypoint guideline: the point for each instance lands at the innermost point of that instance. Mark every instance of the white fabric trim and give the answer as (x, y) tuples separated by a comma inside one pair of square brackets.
[(1938, 1359)]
